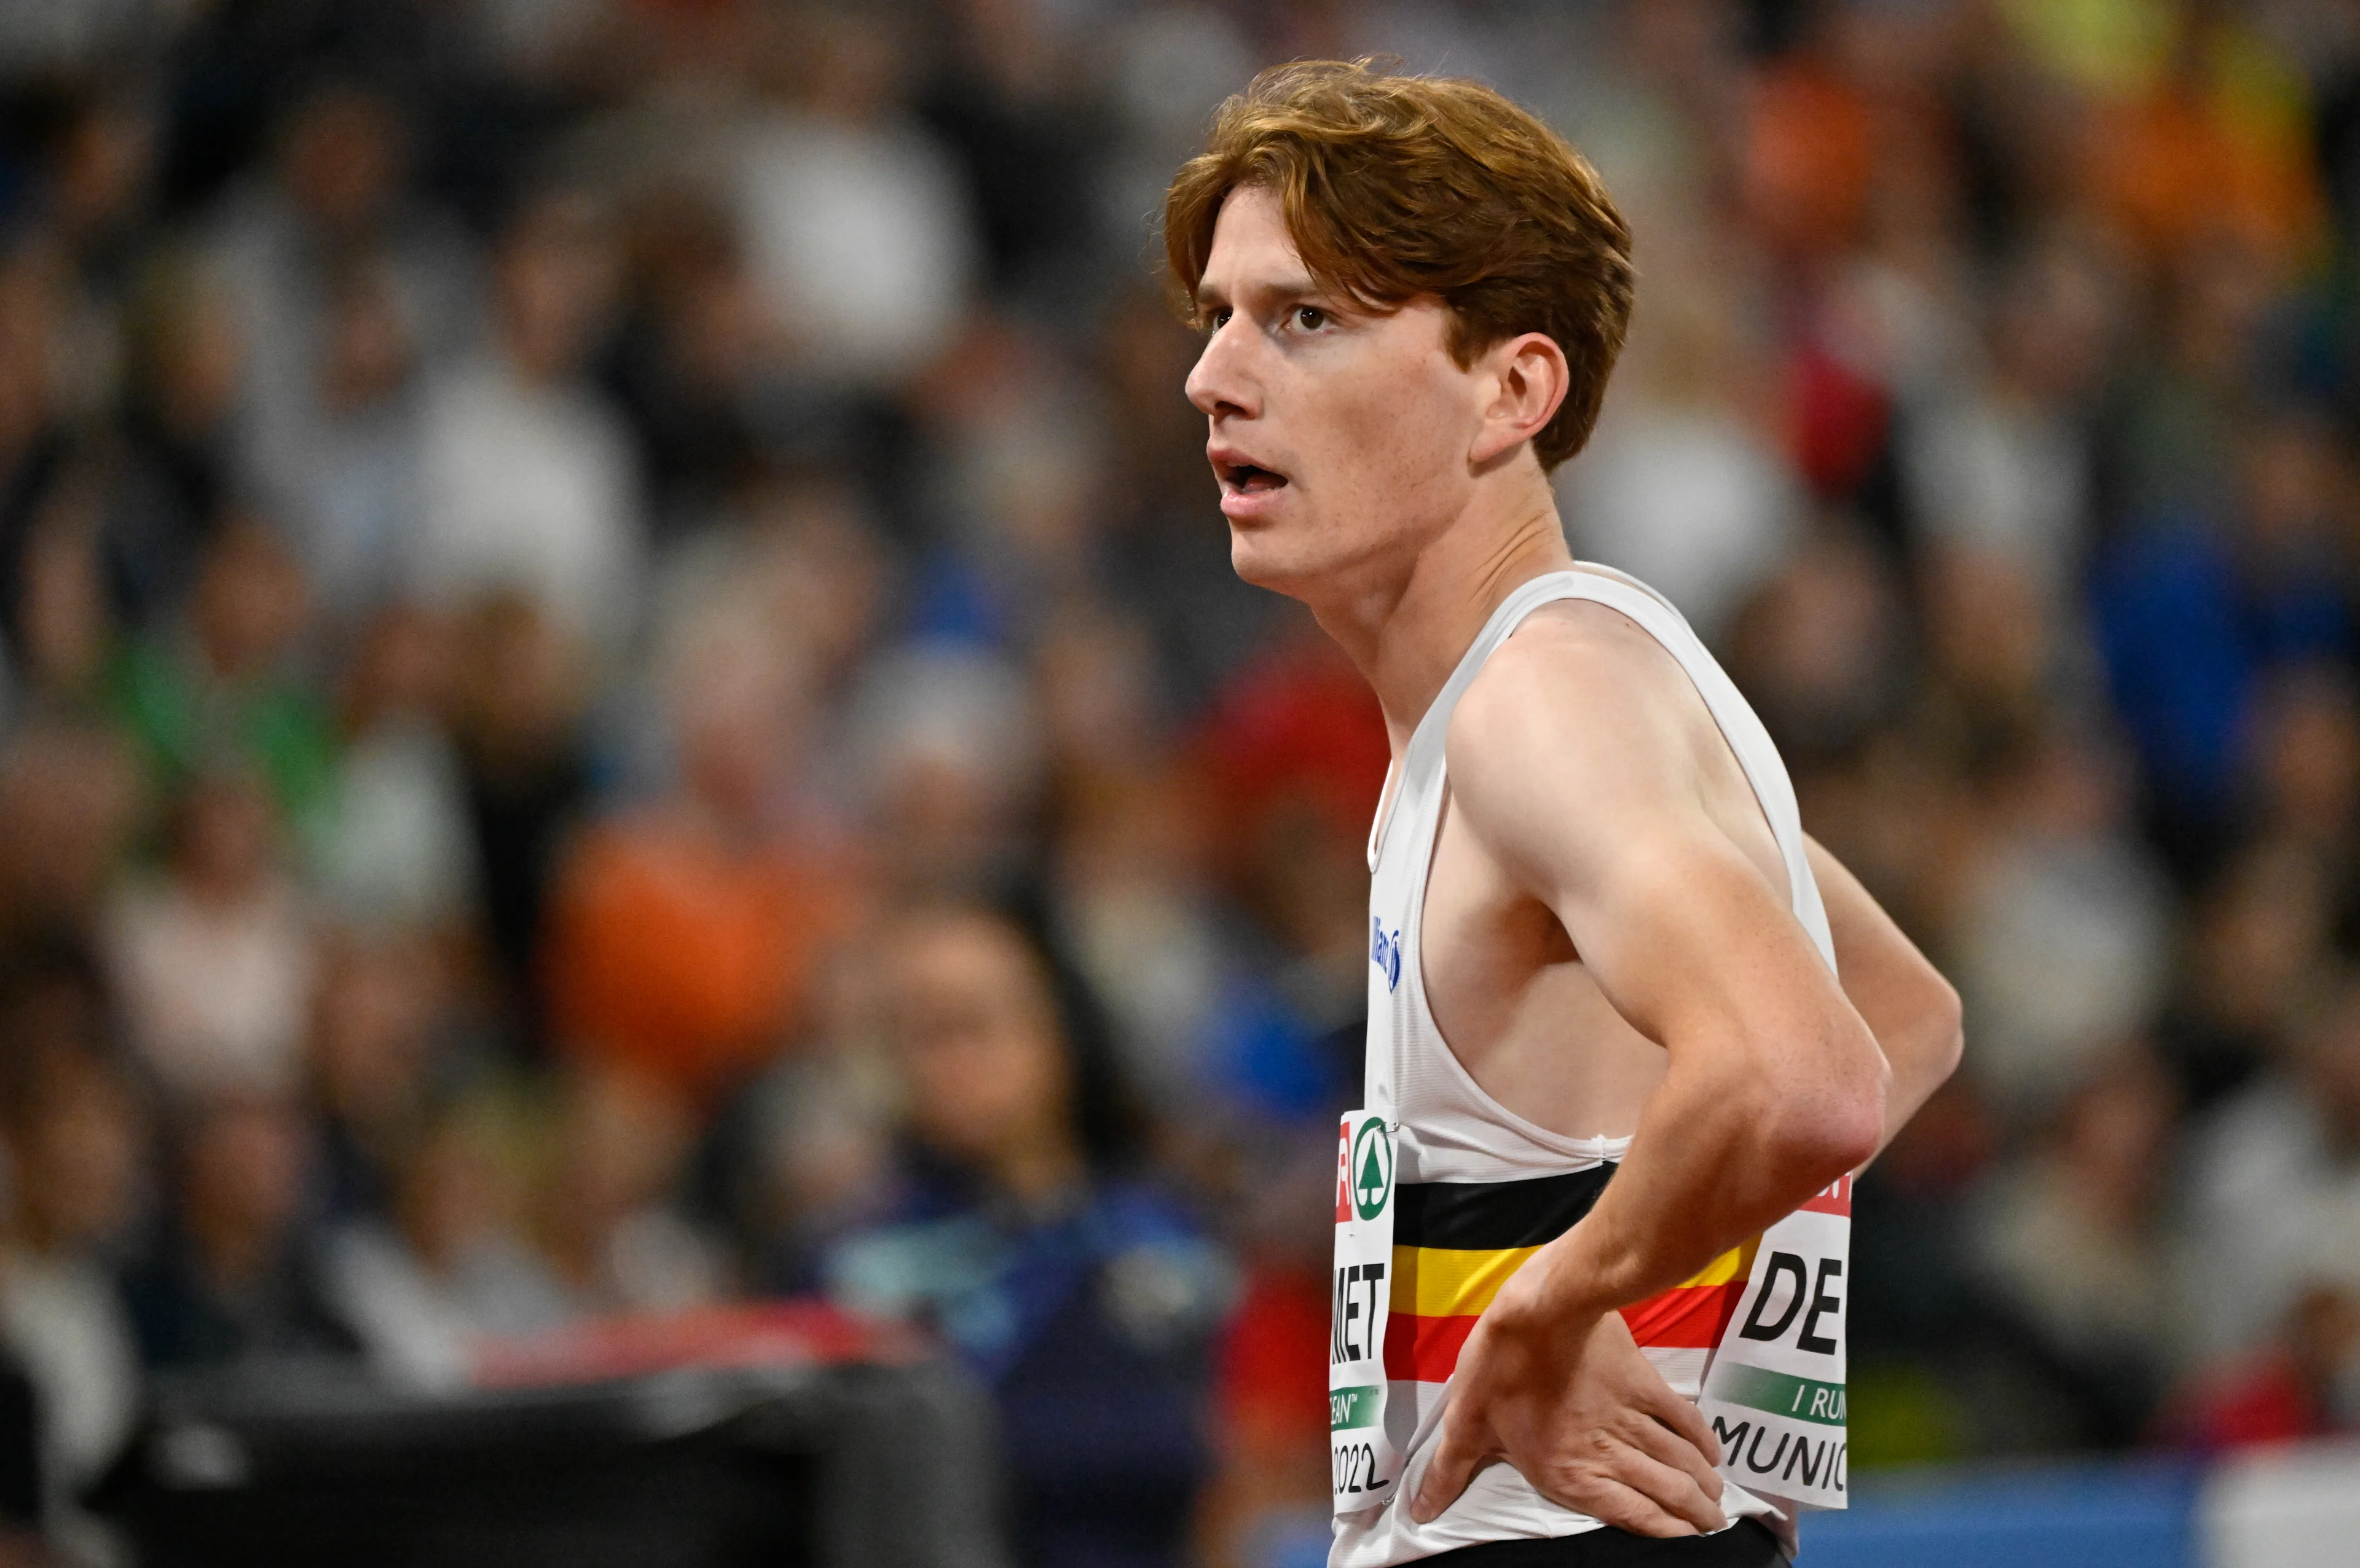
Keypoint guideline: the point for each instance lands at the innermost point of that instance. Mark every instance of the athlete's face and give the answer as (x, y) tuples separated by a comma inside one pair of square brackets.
[(1339, 434)]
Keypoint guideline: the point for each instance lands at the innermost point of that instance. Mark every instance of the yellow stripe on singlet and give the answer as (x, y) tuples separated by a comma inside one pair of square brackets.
[(1445, 1282)]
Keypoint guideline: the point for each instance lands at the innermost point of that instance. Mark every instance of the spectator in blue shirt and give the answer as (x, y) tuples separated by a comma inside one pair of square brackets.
[(1083, 1298)]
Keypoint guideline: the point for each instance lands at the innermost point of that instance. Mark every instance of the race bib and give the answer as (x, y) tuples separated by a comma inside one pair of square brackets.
[(1363, 1463), (1774, 1392)]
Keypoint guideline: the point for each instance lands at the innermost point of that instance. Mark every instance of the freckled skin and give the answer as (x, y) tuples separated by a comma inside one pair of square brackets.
[(1609, 946)]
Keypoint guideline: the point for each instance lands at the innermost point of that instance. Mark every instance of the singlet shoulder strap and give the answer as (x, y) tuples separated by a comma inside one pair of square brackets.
[(1423, 761), (1412, 781), (1756, 752)]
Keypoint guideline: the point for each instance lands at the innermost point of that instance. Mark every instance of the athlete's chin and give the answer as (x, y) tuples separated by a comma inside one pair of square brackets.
[(1263, 558)]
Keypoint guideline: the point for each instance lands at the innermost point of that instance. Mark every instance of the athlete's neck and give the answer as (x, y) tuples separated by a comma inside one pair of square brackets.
[(1407, 622)]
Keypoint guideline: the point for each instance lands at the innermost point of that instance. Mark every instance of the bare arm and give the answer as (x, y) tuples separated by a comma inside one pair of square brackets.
[(1907, 1004), (1578, 774), (1573, 763)]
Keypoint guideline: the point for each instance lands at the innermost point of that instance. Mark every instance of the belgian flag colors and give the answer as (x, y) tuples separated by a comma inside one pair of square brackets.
[(1455, 1243)]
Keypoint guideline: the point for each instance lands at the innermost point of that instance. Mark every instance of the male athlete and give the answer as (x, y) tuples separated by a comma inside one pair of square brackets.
[(1601, 946)]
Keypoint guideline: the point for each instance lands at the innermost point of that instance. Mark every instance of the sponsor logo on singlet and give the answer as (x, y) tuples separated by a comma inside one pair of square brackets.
[(1384, 952)]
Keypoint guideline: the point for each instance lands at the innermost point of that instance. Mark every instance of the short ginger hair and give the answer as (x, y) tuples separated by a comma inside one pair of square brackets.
[(1396, 187)]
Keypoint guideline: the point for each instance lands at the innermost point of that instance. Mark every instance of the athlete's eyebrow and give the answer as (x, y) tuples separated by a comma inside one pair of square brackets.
[(1274, 292)]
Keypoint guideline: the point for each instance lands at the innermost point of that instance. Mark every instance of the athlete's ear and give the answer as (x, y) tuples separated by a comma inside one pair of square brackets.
[(1527, 378)]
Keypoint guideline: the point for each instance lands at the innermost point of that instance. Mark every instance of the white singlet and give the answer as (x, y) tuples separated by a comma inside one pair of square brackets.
[(1478, 1188)]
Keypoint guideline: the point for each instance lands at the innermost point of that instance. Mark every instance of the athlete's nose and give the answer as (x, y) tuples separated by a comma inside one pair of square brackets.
[(1220, 383)]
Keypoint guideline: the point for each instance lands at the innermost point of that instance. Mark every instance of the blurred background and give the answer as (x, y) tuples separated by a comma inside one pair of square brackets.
[(620, 696)]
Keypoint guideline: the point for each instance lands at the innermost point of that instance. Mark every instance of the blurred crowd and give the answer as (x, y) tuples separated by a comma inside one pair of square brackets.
[(620, 689)]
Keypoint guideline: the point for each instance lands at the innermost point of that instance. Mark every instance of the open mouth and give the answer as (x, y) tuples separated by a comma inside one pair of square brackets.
[(1246, 479)]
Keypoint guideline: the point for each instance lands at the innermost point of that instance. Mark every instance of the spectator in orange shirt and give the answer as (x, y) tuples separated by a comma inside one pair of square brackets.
[(683, 935), (2218, 150)]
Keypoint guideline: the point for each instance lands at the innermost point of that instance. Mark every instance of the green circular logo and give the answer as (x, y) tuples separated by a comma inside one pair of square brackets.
[(1373, 1168)]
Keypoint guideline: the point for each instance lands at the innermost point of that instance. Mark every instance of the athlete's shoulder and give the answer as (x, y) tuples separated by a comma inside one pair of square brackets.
[(1578, 680), (1575, 746)]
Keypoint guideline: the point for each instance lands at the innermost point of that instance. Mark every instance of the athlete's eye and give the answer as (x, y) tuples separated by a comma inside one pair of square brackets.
[(1310, 318), (1215, 320)]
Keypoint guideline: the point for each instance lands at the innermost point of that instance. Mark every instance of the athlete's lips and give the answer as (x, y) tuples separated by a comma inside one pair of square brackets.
[(1246, 483)]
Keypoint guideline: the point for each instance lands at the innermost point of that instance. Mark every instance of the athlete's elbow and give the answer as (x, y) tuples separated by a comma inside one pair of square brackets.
[(1832, 1125), (1944, 1030), (1837, 1140), (1854, 1136)]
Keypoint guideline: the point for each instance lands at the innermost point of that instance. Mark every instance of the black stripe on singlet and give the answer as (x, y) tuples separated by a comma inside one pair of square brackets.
[(1486, 1216)]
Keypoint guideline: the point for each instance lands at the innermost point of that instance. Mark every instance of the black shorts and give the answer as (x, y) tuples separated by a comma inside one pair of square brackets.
[(1745, 1544)]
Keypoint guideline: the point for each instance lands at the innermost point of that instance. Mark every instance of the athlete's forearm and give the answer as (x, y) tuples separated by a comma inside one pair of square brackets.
[(1724, 1148), (1919, 1056), (1903, 998)]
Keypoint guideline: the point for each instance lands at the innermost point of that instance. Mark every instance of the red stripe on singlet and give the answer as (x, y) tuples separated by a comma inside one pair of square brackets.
[(1687, 1317)]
